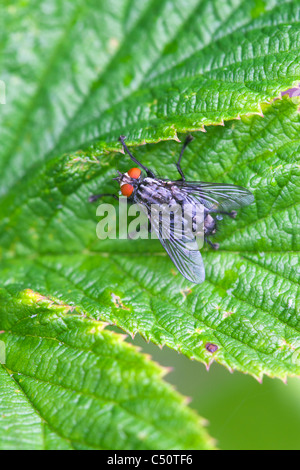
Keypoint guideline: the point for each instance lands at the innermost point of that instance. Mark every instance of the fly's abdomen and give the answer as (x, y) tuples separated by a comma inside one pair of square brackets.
[(209, 225)]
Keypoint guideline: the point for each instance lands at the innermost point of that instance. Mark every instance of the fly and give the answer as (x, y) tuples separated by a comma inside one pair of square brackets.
[(217, 199)]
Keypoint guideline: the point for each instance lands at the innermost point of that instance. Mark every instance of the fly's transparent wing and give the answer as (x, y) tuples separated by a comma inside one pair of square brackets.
[(217, 197), (180, 243), (189, 261)]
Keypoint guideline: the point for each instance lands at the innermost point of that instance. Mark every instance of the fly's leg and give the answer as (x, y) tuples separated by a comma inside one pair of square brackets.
[(188, 139), (149, 222), (149, 172), (215, 246), (95, 197), (231, 214)]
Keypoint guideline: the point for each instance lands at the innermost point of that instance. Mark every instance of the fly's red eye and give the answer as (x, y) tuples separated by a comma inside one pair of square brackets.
[(127, 190), (134, 173)]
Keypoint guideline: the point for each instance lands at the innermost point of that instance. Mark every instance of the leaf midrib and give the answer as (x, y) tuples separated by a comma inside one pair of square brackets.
[(96, 398), (21, 129), (43, 420)]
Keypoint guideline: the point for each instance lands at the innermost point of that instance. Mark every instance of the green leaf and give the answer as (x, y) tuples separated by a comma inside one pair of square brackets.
[(152, 69), (84, 72), (249, 304), (68, 383)]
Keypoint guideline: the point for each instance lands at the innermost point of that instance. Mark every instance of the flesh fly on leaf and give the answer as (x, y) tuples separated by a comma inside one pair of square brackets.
[(149, 191)]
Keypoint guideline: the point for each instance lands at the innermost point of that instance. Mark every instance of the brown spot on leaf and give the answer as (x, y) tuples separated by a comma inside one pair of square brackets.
[(210, 347)]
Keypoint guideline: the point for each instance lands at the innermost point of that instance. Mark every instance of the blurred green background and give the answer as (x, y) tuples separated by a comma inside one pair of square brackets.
[(242, 413)]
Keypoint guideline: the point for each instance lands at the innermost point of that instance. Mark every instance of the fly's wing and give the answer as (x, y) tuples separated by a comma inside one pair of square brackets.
[(188, 261), (217, 197), (183, 251)]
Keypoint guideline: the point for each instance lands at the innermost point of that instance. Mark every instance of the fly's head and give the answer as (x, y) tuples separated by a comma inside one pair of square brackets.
[(129, 181)]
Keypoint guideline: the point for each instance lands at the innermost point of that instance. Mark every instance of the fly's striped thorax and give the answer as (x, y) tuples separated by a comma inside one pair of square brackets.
[(153, 191)]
